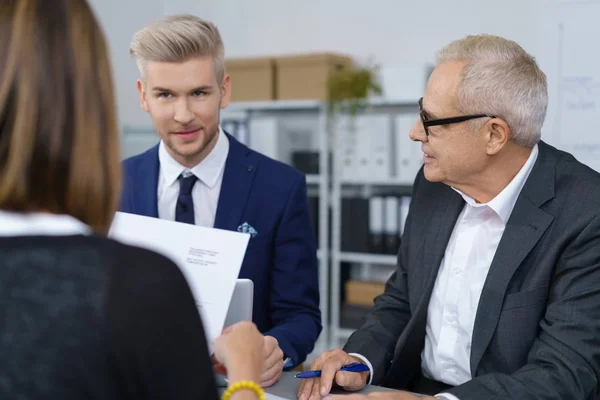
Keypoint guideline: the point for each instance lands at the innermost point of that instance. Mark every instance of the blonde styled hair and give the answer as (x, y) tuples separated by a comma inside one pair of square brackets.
[(501, 79), (59, 139), (178, 38)]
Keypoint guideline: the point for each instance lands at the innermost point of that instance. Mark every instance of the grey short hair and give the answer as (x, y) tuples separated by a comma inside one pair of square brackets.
[(178, 38), (501, 79)]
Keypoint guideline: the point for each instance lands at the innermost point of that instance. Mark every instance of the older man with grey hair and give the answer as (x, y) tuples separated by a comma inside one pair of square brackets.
[(496, 294)]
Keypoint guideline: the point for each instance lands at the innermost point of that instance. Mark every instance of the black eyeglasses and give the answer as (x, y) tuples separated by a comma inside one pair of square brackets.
[(446, 121)]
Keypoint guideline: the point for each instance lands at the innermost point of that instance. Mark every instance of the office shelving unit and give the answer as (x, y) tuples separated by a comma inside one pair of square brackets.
[(319, 183), (359, 187)]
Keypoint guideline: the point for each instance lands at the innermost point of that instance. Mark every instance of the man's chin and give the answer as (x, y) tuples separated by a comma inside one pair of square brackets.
[(432, 174), (185, 151)]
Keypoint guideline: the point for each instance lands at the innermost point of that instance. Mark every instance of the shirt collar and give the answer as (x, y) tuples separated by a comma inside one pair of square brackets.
[(208, 171), (504, 202), (37, 223)]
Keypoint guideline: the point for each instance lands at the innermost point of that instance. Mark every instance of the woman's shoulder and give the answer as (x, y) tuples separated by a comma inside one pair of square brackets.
[(90, 249)]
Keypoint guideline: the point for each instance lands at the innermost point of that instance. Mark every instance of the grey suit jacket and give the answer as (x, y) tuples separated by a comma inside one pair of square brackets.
[(537, 328)]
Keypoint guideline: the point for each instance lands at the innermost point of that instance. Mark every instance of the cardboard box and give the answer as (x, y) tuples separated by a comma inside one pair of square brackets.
[(252, 79), (361, 293), (304, 77)]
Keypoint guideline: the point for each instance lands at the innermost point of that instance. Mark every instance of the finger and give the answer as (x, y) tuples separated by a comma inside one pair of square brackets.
[(351, 381), (270, 345), (272, 376), (272, 371), (328, 371), (315, 393), (269, 383), (307, 385), (305, 389), (274, 358)]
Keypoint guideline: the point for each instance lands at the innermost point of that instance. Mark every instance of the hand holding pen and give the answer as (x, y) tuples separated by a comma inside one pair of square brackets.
[(352, 367), (329, 366)]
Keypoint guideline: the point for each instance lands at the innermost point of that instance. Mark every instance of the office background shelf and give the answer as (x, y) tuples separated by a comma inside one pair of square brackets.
[(374, 166), (275, 105)]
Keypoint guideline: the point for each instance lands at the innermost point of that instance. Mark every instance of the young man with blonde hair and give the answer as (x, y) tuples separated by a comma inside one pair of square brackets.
[(497, 289), (201, 175)]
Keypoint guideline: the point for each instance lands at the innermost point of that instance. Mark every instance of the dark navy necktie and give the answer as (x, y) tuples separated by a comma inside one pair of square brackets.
[(184, 210)]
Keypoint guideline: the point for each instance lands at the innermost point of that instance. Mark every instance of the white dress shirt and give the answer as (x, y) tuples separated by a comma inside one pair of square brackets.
[(463, 271), (36, 223), (206, 190)]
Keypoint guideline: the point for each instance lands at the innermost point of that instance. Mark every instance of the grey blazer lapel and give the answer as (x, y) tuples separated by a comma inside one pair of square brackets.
[(445, 212), (442, 225), (525, 227)]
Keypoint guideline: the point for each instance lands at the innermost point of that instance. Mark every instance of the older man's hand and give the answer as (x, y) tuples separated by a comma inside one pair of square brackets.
[(330, 363)]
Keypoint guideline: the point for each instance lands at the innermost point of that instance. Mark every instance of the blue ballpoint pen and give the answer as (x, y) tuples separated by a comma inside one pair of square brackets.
[(354, 367)]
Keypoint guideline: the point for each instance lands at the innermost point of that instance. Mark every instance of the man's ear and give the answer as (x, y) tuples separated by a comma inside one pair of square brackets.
[(225, 91), (142, 92), (497, 134)]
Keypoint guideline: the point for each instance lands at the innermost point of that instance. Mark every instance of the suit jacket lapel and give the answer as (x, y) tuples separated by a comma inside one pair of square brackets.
[(526, 225), (446, 210), (146, 185), (445, 215), (240, 169)]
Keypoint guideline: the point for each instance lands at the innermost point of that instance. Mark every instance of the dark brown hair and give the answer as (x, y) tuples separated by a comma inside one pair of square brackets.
[(59, 140)]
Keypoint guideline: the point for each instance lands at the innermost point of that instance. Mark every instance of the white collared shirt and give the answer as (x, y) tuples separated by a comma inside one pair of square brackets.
[(206, 190), (463, 271), (37, 223), (462, 274)]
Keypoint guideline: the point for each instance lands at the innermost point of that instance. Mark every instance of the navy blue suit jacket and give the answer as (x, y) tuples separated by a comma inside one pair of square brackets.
[(281, 259)]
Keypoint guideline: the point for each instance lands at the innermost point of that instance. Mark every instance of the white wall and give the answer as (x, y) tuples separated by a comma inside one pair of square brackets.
[(119, 24), (391, 32)]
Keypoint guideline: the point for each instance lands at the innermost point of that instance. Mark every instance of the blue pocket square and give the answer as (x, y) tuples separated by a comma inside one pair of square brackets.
[(247, 228)]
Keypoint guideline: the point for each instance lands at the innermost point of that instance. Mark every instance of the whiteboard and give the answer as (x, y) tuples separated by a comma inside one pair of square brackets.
[(571, 60)]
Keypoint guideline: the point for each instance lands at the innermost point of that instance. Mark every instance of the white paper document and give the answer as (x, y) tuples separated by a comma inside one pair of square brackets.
[(210, 259)]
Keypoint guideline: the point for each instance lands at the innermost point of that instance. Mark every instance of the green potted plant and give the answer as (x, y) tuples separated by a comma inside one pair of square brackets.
[(349, 88), (348, 91)]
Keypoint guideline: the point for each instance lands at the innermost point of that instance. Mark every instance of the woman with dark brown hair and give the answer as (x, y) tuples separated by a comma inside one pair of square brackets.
[(82, 316)]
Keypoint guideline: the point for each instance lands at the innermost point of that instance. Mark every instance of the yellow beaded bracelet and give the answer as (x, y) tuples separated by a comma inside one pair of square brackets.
[(255, 387)]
